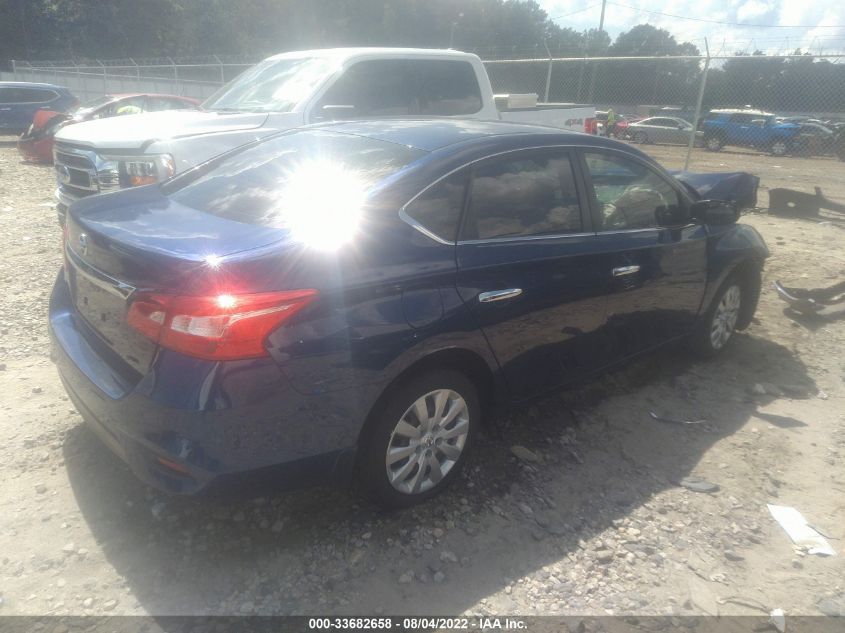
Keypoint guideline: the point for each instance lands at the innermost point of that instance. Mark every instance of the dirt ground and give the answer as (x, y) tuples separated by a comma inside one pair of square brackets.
[(598, 524)]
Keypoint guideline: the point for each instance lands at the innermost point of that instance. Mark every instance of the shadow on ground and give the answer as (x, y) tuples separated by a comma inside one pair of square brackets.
[(325, 551)]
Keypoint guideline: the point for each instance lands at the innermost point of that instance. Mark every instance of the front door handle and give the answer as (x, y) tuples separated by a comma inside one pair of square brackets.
[(621, 271), (499, 295)]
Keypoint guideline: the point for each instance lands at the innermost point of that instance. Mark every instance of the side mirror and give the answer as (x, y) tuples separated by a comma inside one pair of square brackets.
[(715, 212)]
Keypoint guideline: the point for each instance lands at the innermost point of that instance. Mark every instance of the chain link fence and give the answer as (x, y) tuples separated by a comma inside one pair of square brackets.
[(785, 104)]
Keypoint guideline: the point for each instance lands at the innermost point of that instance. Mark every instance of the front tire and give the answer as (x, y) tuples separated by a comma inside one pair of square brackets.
[(640, 138), (717, 327), (418, 438)]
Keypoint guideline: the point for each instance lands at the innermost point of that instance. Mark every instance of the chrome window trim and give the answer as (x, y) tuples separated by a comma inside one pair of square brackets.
[(524, 238), (419, 227)]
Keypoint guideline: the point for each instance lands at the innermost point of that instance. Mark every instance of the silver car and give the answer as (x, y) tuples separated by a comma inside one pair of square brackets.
[(663, 129)]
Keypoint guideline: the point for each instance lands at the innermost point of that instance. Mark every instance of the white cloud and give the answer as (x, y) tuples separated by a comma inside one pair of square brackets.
[(816, 35)]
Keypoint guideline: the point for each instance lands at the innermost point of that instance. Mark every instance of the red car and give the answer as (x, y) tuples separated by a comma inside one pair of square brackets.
[(36, 144)]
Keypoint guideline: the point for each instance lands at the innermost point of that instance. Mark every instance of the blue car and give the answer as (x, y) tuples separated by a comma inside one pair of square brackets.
[(345, 301), (19, 101)]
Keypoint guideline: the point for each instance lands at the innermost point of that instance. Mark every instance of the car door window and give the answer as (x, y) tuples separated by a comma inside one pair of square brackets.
[(629, 194), (27, 95), (438, 208), (373, 88), (532, 194), (132, 105), (158, 104)]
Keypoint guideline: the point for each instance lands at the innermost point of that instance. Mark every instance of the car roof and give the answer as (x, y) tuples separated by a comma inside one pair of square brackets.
[(741, 111), (30, 84), (434, 134), (124, 95), (342, 55)]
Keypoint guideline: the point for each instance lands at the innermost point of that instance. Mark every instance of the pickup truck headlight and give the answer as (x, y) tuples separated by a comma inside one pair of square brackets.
[(146, 170)]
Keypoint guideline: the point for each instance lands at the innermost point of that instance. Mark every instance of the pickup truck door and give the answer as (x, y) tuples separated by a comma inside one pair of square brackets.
[(529, 269), (656, 273)]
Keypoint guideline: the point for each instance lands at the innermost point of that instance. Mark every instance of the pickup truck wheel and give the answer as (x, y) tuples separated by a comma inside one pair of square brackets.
[(713, 143), (717, 326), (418, 439), (780, 148), (640, 137)]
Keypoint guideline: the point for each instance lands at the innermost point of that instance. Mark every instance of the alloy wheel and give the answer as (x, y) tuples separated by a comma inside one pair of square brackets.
[(427, 441), (779, 148), (725, 317)]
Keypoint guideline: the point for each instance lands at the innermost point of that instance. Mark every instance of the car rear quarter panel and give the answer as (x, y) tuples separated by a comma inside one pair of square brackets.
[(386, 307)]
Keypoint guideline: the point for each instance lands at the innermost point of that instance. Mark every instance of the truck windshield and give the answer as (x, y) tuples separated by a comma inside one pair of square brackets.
[(271, 86)]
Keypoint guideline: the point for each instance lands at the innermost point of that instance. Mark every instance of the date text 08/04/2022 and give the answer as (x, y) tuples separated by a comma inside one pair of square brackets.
[(418, 623)]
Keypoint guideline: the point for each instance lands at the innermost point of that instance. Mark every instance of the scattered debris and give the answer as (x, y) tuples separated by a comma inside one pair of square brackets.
[(525, 454), (778, 619), (671, 421), (701, 597), (157, 508), (833, 606), (815, 301), (795, 525), (697, 484), (745, 602), (798, 204)]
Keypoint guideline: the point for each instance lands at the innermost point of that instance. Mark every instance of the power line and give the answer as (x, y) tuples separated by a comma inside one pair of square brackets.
[(754, 26), (566, 15)]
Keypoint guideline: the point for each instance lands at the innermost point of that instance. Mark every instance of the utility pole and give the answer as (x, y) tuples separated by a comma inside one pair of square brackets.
[(601, 30), (452, 30)]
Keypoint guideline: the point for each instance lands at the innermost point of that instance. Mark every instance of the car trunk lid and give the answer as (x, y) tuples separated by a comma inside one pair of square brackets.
[(145, 243)]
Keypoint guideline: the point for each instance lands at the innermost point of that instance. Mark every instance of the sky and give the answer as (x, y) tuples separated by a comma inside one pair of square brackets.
[(821, 23)]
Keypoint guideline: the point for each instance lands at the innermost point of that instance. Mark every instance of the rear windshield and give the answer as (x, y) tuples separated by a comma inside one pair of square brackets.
[(262, 184)]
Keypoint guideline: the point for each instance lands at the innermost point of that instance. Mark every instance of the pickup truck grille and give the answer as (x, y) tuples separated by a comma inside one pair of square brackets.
[(82, 173)]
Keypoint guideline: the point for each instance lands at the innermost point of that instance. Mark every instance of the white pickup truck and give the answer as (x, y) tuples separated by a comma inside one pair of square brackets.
[(283, 92)]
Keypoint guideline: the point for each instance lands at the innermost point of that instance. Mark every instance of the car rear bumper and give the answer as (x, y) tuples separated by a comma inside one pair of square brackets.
[(188, 423)]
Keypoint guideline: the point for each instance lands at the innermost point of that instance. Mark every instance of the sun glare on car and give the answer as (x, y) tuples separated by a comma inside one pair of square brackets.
[(321, 204)]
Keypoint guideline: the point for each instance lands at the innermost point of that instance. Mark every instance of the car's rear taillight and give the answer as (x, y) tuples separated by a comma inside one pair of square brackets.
[(590, 125), (219, 327)]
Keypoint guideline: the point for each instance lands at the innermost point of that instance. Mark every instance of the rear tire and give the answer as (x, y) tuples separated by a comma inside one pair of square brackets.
[(713, 143), (779, 148), (418, 438), (716, 329)]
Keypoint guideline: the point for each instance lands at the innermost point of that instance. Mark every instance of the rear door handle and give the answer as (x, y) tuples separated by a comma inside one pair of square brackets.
[(621, 271), (499, 295)]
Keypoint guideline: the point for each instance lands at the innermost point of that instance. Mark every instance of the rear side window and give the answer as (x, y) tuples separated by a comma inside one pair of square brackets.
[(388, 87), (290, 174), (438, 208), (447, 88), (533, 194)]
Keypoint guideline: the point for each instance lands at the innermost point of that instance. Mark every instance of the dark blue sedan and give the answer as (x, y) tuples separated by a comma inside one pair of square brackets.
[(19, 101), (347, 299)]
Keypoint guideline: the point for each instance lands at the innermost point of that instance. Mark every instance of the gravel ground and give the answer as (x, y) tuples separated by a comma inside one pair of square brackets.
[(569, 506)]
